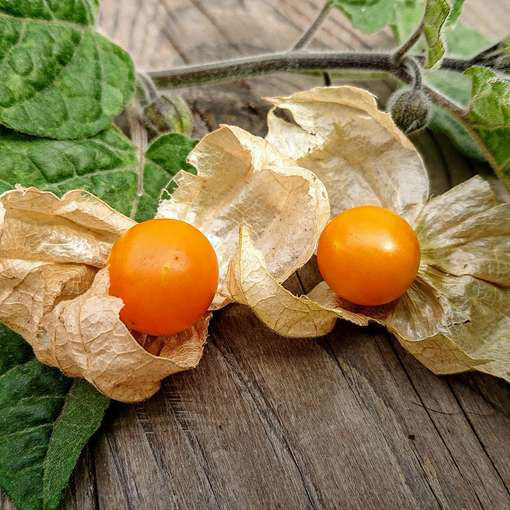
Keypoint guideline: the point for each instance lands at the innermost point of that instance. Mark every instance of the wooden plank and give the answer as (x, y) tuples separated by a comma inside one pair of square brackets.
[(264, 422)]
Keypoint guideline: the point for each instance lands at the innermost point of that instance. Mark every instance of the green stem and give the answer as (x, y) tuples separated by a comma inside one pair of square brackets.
[(403, 50), (308, 35), (289, 61)]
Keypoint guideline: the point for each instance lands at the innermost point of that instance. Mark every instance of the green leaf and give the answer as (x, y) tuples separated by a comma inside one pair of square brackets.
[(489, 117), (369, 15), (82, 12), (60, 79), (43, 425), (463, 42), (13, 350), (436, 13), (164, 158), (104, 165), (31, 398), (455, 12), (406, 19), (79, 419)]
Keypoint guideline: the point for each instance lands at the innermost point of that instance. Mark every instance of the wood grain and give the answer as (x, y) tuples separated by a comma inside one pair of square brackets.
[(347, 421)]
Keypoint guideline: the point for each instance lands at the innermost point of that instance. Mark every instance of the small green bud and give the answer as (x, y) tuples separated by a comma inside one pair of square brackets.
[(409, 109)]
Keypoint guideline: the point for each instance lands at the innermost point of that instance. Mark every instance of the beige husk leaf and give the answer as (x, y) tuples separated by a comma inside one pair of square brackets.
[(454, 317), (242, 179), (355, 149), (54, 292)]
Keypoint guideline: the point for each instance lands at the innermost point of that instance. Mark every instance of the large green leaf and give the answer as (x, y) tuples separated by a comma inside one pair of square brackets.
[(43, 425), (60, 78), (82, 12), (489, 117), (105, 165)]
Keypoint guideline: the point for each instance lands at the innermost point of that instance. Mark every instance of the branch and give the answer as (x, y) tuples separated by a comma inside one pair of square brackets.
[(401, 52), (307, 36), (496, 56), (482, 56), (289, 61), (411, 63)]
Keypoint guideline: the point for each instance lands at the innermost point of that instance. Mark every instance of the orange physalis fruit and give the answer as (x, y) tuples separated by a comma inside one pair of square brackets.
[(166, 273), (368, 255)]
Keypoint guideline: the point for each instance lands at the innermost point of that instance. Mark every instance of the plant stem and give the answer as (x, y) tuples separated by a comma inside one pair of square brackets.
[(151, 91), (307, 36), (309, 33), (411, 63), (139, 138), (482, 57), (401, 52), (289, 61), (448, 105)]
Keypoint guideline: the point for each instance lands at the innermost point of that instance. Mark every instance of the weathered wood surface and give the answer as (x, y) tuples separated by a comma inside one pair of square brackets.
[(346, 421)]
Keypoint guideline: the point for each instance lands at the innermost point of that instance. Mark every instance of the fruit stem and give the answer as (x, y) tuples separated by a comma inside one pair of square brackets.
[(288, 61), (309, 33)]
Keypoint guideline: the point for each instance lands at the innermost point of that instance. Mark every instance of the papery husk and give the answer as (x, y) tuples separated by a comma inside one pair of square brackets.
[(465, 233), (355, 149), (241, 179), (86, 338), (54, 292), (455, 317), (315, 314)]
